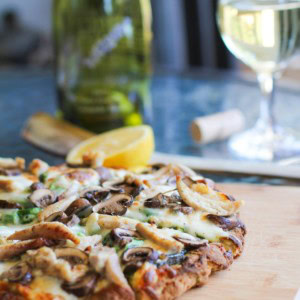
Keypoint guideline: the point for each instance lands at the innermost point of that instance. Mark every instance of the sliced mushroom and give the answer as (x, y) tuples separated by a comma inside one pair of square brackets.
[(61, 205), (81, 207), (159, 201), (227, 223), (132, 189), (186, 210), (173, 202), (42, 198), (71, 220), (9, 251), (9, 205), (140, 254), (63, 218), (37, 186), (131, 185), (134, 258), (72, 255), (20, 273), (190, 244), (95, 194), (162, 201), (48, 230), (158, 237), (57, 216), (83, 286), (123, 236), (115, 206), (104, 173)]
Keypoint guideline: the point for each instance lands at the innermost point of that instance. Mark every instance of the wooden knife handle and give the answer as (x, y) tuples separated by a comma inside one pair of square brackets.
[(53, 135)]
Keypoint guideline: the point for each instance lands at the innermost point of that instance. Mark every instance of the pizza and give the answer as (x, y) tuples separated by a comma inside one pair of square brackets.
[(84, 232)]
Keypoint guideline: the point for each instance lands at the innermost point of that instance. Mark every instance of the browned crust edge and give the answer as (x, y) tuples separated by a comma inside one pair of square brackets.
[(195, 271), (15, 291)]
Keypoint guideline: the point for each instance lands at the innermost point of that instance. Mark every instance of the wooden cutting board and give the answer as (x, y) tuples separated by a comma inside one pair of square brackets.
[(270, 265)]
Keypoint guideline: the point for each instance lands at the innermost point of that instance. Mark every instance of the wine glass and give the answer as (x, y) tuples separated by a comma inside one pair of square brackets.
[(264, 34)]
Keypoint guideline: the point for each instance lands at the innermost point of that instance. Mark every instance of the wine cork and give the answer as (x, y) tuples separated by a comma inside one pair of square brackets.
[(217, 127)]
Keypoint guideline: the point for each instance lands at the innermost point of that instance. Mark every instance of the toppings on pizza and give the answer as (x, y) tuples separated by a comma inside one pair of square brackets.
[(134, 258), (6, 204), (10, 250), (115, 205), (80, 207), (114, 272), (48, 230), (122, 237), (203, 198), (112, 233), (73, 255), (111, 222), (158, 237), (83, 286), (191, 242), (38, 167), (11, 167), (105, 259), (41, 197), (20, 273), (59, 206), (46, 260)]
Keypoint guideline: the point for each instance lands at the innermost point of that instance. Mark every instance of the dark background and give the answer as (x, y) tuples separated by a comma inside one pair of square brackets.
[(185, 34)]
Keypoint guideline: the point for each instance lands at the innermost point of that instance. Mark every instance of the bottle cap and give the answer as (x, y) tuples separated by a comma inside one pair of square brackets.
[(216, 127)]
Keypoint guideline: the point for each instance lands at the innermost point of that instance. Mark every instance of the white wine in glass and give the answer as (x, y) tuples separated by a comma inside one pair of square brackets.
[(265, 35)]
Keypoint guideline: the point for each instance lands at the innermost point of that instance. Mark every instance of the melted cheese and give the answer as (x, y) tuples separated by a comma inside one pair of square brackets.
[(57, 179), (5, 231), (51, 285), (19, 185), (92, 226), (4, 266), (195, 223)]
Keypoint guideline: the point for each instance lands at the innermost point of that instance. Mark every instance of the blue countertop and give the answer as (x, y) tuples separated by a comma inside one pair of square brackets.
[(177, 99)]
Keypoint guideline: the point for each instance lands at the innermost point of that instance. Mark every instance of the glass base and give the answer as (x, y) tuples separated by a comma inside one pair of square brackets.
[(265, 144)]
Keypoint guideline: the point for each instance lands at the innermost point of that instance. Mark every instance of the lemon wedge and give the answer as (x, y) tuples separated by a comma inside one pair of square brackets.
[(127, 147)]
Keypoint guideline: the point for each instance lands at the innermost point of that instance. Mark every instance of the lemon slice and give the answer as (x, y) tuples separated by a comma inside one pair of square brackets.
[(128, 147)]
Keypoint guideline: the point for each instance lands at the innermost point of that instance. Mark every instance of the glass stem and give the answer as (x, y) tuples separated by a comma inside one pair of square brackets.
[(266, 120)]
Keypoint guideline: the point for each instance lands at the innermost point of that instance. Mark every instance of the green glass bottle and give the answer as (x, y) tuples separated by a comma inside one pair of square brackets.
[(102, 50)]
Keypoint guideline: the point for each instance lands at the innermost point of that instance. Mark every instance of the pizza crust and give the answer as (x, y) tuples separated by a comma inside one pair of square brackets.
[(172, 282), (149, 282)]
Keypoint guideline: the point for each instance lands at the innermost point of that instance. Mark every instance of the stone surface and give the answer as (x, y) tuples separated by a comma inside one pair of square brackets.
[(176, 101)]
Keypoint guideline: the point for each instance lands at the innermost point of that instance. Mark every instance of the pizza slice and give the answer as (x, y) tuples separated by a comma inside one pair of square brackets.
[(98, 233)]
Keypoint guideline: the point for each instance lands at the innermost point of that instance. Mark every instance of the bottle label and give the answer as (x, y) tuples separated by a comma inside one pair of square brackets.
[(109, 42)]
